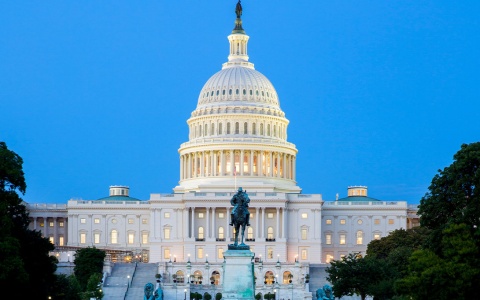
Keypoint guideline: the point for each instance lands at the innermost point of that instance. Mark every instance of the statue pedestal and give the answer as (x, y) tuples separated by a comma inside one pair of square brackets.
[(238, 275)]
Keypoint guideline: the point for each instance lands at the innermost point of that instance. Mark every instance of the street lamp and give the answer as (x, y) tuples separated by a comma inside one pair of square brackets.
[(128, 281), (275, 294), (185, 291)]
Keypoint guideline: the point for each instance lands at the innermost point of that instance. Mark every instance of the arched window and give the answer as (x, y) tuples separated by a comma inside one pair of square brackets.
[(221, 232), (287, 276), (270, 233), (180, 276), (220, 128), (269, 278), (245, 128), (212, 129), (359, 237), (197, 275), (114, 237), (237, 128), (206, 130), (200, 130), (261, 129), (228, 128), (274, 131), (250, 233), (254, 128), (200, 232), (216, 277), (268, 130)]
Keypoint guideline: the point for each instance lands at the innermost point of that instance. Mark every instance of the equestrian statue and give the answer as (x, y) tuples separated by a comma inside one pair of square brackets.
[(240, 217)]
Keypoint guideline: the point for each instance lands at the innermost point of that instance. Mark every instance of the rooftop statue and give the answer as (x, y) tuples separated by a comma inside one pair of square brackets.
[(240, 217), (238, 9)]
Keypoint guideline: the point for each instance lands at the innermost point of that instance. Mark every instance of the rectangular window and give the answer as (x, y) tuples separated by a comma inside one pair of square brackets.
[(200, 215), (376, 236), (83, 221), (61, 241), (329, 258), (166, 233), (83, 238), (96, 221), (42, 224), (220, 253), (391, 222), (328, 239), (270, 253), (343, 239), (200, 253), (304, 233), (343, 222), (50, 223), (270, 215), (61, 224), (166, 253), (328, 221), (131, 238), (304, 254), (252, 215), (304, 215), (144, 238), (166, 215), (52, 240), (359, 238), (144, 221), (377, 221), (221, 215), (114, 237), (131, 221), (96, 238)]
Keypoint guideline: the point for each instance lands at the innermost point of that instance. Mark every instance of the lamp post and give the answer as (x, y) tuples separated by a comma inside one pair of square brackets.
[(275, 294), (185, 297), (128, 281)]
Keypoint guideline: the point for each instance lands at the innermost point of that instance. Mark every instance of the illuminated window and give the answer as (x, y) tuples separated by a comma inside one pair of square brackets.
[(114, 237), (329, 258), (220, 253), (376, 236), (200, 233), (42, 224), (61, 241), (114, 221), (270, 253), (61, 224), (131, 221), (359, 222), (376, 221), (250, 233), (50, 224), (304, 254), (359, 237), (96, 221), (166, 233), (52, 240), (144, 238), (144, 221), (83, 221), (200, 253), (270, 215), (343, 222), (343, 239), (96, 238), (304, 233), (328, 221), (391, 221), (83, 238), (221, 233), (328, 239), (166, 253), (166, 215), (200, 215), (304, 216), (131, 238), (270, 233), (221, 215)]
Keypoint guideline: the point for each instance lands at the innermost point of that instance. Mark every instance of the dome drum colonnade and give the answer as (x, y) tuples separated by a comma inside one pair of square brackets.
[(238, 127)]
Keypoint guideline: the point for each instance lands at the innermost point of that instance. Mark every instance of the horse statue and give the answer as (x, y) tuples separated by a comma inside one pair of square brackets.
[(240, 217), (325, 293)]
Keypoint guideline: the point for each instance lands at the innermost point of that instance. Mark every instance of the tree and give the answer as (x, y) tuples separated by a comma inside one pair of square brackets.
[(25, 263), (354, 274), (93, 289), (454, 195), (88, 261)]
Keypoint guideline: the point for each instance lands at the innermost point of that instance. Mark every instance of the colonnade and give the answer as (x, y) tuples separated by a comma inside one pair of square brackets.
[(52, 232), (244, 162)]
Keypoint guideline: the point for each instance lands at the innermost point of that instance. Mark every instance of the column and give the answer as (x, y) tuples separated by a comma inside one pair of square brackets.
[(260, 163), (251, 163), (55, 231), (283, 222), (278, 224), (208, 223), (222, 162), (202, 163), (271, 164), (284, 166), (195, 156), (185, 222), (181, 167), (192, 223), (214, 217), (262, 232), (241, 162), (228, 226), (232, 161), (257, 235), (294, 169)]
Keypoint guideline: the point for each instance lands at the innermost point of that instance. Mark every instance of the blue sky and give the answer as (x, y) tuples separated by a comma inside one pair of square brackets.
[(97, 93)]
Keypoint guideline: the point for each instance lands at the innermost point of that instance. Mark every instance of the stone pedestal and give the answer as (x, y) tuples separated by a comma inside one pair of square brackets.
[(238, 283)]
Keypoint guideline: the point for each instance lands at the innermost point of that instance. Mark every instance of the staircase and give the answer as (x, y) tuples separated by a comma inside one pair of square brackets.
[(119, 286)]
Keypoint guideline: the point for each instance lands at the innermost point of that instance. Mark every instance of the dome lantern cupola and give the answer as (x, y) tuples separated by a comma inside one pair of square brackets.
[(238, 42)]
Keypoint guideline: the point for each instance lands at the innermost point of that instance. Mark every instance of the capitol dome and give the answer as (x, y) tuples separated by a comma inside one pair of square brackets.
[(238, 132)]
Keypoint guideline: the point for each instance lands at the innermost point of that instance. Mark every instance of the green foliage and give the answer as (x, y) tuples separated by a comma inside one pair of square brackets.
[(196, 296), (269, 296), (218, 296), (207, 296), (94, 289), (88, 261), (29, 268), (454, 196), (456, 276), (258, 296)]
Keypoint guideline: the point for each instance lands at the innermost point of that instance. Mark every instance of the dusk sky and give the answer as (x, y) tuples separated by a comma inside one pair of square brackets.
[(97, 93)]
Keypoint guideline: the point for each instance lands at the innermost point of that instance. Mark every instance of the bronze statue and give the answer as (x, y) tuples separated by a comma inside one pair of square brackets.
[(238, 9), (240, 215)]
